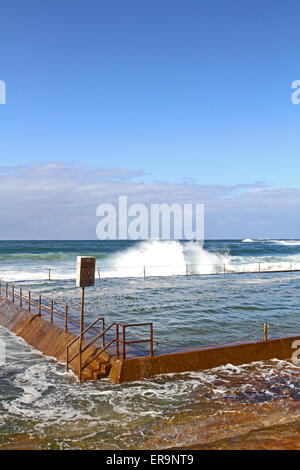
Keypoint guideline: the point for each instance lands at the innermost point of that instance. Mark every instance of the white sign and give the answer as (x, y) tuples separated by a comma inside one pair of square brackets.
[(85, 271)]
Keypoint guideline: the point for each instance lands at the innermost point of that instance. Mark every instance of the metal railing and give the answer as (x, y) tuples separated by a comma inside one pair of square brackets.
[(188, 269), (123, 346), (124, 342), (77, 339), (105, 345), (25, 300)]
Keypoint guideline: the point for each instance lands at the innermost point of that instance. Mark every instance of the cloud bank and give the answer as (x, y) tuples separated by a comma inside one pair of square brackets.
[(59, 201)]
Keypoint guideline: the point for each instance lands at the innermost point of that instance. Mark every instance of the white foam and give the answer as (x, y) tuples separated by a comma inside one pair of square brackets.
[(161, 258), (286, 242)]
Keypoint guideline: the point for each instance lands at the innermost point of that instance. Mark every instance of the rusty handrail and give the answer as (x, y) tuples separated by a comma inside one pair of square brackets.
[(114, 340), (92, 324), (98, 337), (10, 290), (68, 361), (77, 338), (87, 363), (124, 342)]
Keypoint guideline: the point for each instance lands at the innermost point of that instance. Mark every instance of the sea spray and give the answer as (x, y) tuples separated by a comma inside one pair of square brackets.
[(25, 261)]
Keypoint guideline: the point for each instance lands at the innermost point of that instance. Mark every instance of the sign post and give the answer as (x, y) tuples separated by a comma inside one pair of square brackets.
[(85, 277)]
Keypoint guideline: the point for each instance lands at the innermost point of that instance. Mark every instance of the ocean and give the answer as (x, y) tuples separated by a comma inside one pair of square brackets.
[(42, 406)]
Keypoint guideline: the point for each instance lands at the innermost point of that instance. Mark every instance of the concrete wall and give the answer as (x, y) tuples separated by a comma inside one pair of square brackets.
[(133, 369), (37, 332), (52, 341), (41, 334)]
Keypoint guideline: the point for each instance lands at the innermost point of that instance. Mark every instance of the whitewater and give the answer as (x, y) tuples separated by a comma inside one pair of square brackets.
[(32, 260)]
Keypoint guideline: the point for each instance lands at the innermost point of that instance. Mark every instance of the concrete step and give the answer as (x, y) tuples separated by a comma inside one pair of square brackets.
[(99, 367)]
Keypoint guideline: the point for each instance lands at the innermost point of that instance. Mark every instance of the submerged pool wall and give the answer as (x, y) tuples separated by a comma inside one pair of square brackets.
[(52, 341)]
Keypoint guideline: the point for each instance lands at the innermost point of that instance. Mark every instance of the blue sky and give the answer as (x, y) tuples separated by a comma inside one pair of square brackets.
[(179, 92)]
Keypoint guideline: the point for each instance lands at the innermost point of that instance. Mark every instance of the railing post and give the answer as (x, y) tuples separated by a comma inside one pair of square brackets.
[(144, 272), (21, 298), (259, 267), (151, 339), (66, 318), (99, 273), (186, 269), (103, 336), (124, 343), (51, 311), (290, 266), (265, 332), (49, 274), (13, 293), (67, 358), (117, 340), (29, 301), (224, 269), (81, 335), (6, 289), (40, 305)]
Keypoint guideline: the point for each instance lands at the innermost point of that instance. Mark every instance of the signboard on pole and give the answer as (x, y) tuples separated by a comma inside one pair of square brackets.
[(85, 271)]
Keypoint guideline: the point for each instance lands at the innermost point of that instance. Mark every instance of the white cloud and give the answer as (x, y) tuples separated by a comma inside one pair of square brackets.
[(58, 201)]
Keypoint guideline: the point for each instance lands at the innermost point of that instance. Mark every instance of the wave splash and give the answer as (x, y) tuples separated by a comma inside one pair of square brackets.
[(157, 258), (166, 258)]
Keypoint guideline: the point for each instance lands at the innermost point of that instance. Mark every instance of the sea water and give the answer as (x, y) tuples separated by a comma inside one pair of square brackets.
[(42, 406)]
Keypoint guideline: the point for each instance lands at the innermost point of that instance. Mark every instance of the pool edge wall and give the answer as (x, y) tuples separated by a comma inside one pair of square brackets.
[(52, 340), (208, 358)]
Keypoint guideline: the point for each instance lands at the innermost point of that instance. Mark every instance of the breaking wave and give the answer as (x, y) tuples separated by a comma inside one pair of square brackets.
[(165, 258), (157, 258), (286, 242)]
